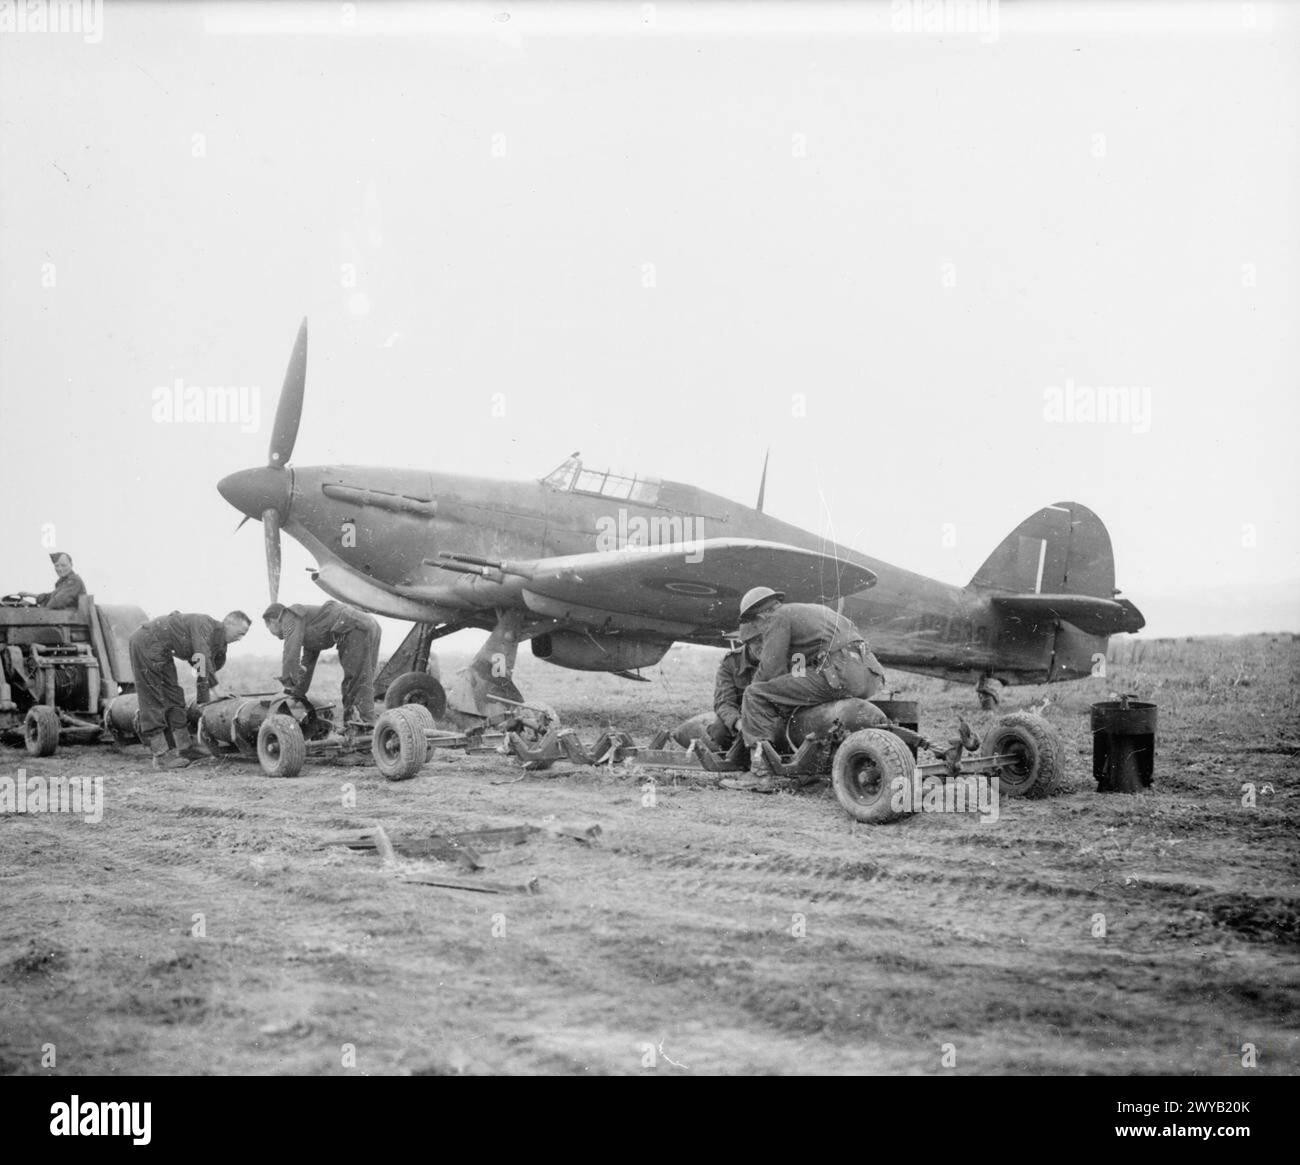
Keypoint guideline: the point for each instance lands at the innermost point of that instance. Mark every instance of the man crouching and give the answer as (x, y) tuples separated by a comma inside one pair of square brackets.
[(811, 655)]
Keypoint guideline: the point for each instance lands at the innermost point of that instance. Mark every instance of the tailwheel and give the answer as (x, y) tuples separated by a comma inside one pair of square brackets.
[(989, 695)]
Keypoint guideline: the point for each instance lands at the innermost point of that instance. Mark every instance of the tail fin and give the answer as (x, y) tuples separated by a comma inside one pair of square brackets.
[(1058, 563), (1061, 550)]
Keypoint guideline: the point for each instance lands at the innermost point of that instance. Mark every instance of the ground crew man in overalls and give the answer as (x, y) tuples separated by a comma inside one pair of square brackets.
[(307, 631), (201, 641), (735, 674), (811, 655)]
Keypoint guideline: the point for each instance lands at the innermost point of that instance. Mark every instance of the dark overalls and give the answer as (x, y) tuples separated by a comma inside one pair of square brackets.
[(811, 655), (735, 674), (310, 630), (200, 640)]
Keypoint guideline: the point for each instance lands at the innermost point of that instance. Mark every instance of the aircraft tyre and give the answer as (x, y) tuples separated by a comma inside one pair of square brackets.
[(865, 771), (1039, 752), (414, 687)]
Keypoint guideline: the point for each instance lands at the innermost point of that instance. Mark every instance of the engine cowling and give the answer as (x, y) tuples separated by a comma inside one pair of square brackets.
[(583, 652)]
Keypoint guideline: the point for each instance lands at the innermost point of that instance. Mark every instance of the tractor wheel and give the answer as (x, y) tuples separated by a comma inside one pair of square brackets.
[(398, 745), (866, 771), (1038, 751), (41, 730), (416, 687), (280, 746)]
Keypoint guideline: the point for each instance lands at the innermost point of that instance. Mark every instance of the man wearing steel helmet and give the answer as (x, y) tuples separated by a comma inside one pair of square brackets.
[(811, 655)]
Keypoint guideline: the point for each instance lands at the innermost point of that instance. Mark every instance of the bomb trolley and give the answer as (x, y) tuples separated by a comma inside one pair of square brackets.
[(282, 732), (868, 748)]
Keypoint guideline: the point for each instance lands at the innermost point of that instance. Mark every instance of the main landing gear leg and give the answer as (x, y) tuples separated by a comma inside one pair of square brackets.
[(491, 671)]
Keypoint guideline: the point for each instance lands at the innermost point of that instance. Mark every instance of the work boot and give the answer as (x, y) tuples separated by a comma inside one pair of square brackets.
[(164, 757), (761, 771), (759, 778), (188, 747)]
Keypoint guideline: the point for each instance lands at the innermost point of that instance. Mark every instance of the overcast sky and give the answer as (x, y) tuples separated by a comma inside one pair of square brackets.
[(649, 227)]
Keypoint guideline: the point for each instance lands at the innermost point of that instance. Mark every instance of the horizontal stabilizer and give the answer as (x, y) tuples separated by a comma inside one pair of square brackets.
[(1091, 615)]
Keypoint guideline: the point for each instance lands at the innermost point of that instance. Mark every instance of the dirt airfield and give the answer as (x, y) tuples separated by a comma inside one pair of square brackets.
[(200, 927)]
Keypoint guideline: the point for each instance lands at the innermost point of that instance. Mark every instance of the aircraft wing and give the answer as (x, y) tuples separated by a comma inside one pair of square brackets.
[(1091, 615), (683, 588)]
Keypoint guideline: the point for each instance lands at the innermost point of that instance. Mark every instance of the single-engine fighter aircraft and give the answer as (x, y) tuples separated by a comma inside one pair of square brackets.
[(602, 572)]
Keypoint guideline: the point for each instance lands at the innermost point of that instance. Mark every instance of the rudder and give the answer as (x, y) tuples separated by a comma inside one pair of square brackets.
[(1063, 549)]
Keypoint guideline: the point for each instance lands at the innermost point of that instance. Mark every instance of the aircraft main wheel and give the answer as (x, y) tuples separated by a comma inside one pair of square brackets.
[(866, 771), (41, 730), (416, 687), (280, 746), (1037, 751), (398, 745)]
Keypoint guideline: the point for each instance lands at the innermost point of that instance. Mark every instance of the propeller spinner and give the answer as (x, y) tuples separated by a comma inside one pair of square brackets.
[(265, 493)]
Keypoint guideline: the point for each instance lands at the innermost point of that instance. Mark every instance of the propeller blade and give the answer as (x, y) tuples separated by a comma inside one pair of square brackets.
[(271, 535), (289, 411), (762, 483)]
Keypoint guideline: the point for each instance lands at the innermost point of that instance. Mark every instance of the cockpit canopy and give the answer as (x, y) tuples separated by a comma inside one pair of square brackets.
[(572, 477)]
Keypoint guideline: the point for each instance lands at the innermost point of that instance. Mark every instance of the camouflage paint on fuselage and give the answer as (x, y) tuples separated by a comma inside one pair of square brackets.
[(374, 529)]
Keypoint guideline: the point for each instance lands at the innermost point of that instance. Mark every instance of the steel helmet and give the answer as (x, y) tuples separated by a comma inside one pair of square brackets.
[(755, 596)]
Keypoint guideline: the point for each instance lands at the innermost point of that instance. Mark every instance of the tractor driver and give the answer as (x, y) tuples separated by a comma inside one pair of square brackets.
[(67, 590), (811, 655)]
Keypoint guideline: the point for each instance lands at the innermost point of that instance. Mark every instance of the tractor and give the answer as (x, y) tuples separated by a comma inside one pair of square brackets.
[(60, 668)]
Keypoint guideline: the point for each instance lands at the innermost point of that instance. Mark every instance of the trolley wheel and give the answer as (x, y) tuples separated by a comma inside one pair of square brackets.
[(398, 745), (41, 730), (1036, 746), (866, 771), (280, 746), (419, 715)]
